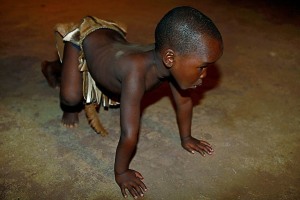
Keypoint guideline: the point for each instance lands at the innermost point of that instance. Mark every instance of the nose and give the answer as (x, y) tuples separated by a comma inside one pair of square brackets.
[(203, 73)]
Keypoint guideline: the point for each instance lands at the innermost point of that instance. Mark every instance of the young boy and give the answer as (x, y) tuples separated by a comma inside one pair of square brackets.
[(186, 42)]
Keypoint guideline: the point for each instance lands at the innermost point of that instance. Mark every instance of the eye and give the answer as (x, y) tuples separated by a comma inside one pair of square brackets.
[(200, 69)]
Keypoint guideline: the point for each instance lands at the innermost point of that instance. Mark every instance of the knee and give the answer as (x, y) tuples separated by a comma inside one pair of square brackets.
[(71, 102), (71, 99)]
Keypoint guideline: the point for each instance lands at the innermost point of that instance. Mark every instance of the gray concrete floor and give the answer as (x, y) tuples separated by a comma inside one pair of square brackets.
[(248, 108)]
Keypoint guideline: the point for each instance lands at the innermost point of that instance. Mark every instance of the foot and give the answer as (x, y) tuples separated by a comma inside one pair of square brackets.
[(52, 72), (70, 120)]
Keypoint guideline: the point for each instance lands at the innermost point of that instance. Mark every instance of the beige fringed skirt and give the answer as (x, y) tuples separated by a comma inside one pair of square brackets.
[(76, 33)]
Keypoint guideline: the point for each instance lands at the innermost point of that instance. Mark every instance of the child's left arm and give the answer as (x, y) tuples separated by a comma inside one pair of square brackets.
[(184, 113)]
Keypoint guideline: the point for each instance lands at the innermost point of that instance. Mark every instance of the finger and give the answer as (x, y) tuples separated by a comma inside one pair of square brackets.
[(205, 143), (140, 183), (205, 149), (133, 192), (201, 152), (124, 192), (208, 147), (143, 186), (191, 151), (198, 148), (139, 190), (138, 175)]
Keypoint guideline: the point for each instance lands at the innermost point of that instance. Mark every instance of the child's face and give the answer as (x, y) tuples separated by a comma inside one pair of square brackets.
[(189, 70)]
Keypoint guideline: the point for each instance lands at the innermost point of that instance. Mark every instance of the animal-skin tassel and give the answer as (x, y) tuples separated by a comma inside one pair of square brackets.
[(93, 118)]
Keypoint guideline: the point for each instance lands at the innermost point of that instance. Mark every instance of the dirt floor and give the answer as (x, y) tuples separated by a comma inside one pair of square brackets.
[(248, 108)]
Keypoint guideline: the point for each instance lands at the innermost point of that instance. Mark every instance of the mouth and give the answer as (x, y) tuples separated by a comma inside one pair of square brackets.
[(198, 83)]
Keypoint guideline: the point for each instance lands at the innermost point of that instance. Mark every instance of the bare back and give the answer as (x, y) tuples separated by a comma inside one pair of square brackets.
[(111, 59)]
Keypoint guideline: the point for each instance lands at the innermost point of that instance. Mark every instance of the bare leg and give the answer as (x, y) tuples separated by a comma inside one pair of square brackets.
[(52, 72), (71, 98)]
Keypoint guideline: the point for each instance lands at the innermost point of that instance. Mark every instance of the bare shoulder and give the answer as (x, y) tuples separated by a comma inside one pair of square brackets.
[(131, 65)]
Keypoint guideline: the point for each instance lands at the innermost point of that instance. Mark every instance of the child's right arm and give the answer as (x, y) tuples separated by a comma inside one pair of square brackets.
[(132, 91)]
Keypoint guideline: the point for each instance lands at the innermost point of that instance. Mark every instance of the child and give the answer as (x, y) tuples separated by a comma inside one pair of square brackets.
[(186, 42)]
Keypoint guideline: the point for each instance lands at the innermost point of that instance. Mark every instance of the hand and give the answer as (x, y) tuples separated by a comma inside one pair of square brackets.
[(132, 181), (192, 144)]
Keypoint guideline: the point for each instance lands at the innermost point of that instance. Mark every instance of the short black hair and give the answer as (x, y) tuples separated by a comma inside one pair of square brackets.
[(182, 29)]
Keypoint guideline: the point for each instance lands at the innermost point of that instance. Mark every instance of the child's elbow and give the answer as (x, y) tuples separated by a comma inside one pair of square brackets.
[(129, 138)]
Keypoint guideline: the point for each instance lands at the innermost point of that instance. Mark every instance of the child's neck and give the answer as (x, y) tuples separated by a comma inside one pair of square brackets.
[(162, 71)]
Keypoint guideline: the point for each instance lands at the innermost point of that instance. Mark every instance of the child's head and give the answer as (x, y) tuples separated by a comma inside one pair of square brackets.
[(188, 41), (183, 29)]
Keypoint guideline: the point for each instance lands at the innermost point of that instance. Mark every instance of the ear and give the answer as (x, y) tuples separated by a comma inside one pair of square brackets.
[(168, 58)]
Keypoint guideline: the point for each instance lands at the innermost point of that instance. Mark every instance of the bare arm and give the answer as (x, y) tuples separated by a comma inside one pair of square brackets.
[(184, 113), (132, 91), (184, 110)]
